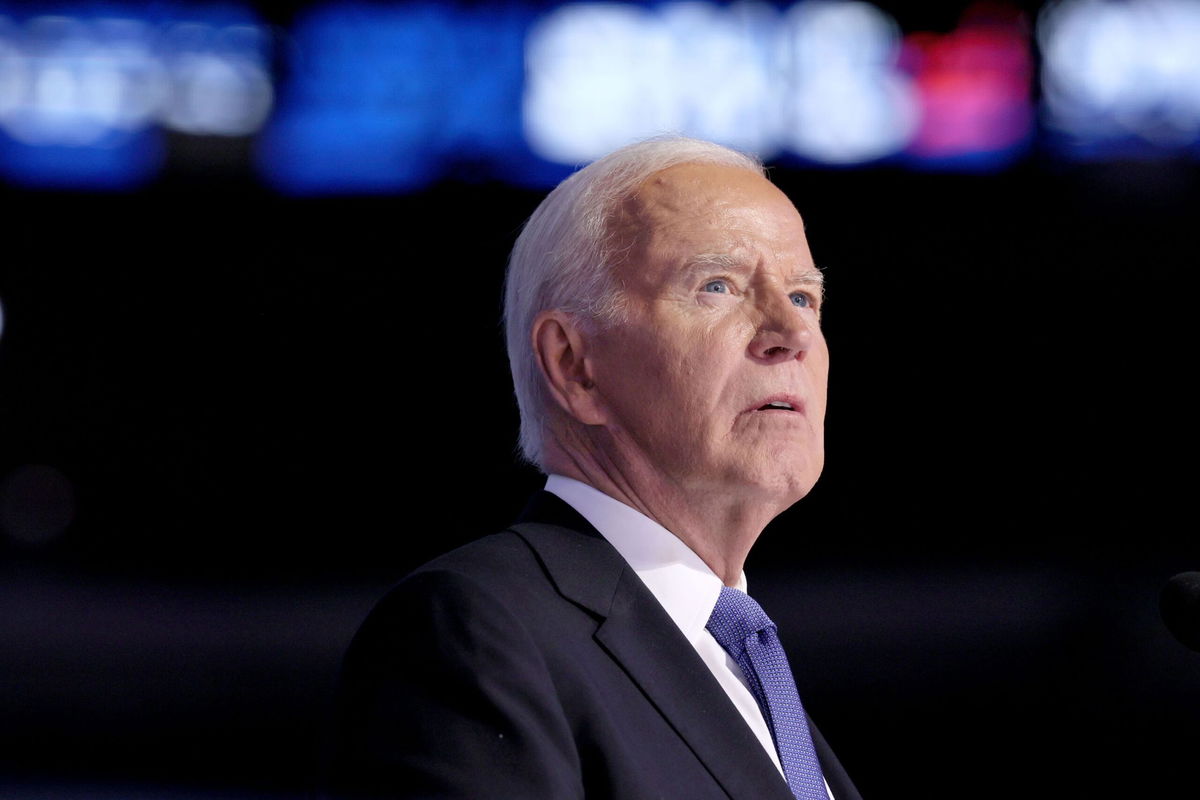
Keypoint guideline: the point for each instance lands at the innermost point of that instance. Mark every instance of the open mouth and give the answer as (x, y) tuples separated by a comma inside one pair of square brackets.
[(781, 402)]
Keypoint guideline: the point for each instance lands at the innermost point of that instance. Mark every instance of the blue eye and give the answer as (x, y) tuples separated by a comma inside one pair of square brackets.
[(801, 300), (717, 287)]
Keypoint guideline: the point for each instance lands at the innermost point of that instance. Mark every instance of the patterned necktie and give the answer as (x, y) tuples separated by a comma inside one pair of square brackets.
[(749, 636)]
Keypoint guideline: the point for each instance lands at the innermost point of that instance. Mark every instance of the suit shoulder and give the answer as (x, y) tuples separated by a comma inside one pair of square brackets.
[(494, 578), (447, 689), (501, 568), (489, 559)]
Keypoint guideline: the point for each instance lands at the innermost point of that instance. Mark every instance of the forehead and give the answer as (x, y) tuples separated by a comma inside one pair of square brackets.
[(693, 209)]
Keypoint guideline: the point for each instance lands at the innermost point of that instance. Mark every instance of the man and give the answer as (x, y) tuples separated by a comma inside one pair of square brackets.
[(662, 312)]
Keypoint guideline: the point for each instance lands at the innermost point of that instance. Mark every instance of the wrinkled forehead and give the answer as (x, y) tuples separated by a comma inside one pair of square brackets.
[(707, 208)]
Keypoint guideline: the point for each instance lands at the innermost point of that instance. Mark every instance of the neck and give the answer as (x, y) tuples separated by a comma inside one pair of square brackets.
[(718, 524)]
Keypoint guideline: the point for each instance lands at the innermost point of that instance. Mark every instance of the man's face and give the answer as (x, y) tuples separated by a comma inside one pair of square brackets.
[(716, 378)]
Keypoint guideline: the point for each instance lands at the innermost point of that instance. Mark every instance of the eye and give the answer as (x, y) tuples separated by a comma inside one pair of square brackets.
[(801, 300), (717, 286)]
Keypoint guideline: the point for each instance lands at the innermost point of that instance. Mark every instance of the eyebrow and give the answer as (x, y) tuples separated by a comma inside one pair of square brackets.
[(810, 276)]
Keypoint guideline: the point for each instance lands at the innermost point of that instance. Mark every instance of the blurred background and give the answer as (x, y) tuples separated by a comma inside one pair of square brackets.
[(250, 268)]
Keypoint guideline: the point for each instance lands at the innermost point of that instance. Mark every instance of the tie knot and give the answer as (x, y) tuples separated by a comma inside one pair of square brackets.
[(736, 618)]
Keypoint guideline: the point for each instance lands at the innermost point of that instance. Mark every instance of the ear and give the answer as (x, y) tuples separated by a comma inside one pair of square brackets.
[(561, 349)]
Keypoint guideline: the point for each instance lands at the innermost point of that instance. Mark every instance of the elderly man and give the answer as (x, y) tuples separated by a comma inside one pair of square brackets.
[(663, 319)]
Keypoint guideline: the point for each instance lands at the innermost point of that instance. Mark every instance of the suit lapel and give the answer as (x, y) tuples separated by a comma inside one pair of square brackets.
[(641, 636), (635, 630)]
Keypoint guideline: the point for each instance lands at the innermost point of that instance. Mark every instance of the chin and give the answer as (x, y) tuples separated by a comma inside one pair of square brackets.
[(799, 477), (784, 486)]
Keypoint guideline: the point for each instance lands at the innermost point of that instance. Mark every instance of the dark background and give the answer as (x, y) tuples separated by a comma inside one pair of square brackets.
[(221, 410)]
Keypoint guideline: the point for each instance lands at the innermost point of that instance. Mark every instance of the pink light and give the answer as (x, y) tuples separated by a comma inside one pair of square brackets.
[(973, 84)]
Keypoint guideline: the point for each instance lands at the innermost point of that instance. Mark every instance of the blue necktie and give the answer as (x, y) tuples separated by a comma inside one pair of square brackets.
[(746, 632)]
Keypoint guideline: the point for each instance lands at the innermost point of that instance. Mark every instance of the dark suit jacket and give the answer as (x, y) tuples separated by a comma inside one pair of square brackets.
[(535, 665)]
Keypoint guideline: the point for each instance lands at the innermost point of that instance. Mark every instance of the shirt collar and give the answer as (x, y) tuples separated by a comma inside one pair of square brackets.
[(681, 582)]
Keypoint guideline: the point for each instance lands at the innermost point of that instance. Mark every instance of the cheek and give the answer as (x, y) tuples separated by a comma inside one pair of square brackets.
[(676, 371), (699, 361), (703, 380), (820, 372)]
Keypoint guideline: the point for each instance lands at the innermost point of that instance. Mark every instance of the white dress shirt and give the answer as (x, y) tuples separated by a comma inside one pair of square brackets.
[(681, 582)]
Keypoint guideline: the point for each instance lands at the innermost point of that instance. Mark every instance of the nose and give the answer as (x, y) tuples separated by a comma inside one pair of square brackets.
[(785, 331)]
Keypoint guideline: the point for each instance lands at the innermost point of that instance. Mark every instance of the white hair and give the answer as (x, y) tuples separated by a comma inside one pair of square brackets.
[(565, 256)]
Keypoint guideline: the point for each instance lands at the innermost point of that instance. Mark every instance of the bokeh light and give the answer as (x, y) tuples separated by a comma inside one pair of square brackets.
[(84, 91), (1121, 78)]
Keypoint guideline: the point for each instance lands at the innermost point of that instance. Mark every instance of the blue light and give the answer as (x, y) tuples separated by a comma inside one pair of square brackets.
[(386, 99), (819, 79), (115, 161), (85, 88), (390, 97), (1121, 79)]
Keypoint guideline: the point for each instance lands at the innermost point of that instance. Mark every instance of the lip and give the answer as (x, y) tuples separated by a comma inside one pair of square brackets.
[(795, 402)]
